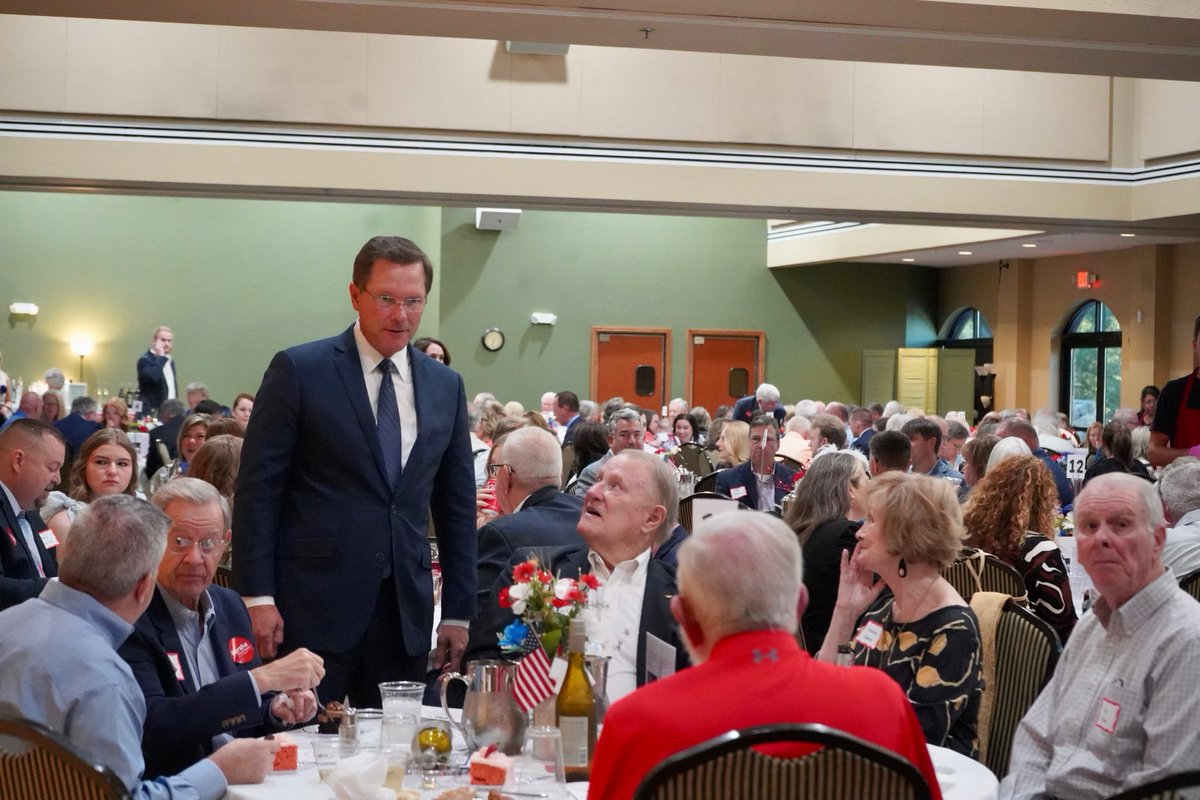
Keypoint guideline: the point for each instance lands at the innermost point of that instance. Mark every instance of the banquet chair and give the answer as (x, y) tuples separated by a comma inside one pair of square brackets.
[(1190, 583), (223, 576), (977, 571), (728, 767), (692, 456), (685, 507), (38, 764), (708, 483), (1163, 788), (1020, 651), (568, 463)]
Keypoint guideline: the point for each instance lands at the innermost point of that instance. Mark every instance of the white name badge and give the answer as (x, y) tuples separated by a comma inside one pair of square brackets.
[(660, 658), (868, 634), (175, 663), (737, 492), (1110, 711), (49, 540)]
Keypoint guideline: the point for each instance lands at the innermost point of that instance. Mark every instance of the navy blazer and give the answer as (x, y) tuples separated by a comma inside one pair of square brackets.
[(317, 524), (19, 579), (180, 721), (747, 409), (152, 381), (570, 562), (743, 475), (76, 429), (547, 519)]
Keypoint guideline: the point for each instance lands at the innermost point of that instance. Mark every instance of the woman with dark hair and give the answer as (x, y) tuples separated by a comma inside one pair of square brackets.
[(107, 464), (1011, 515), (1118, 451), (920, 631), (433, 348), (591, 443), (684, 429), (975, 453), (826, 513), (1149, 403)]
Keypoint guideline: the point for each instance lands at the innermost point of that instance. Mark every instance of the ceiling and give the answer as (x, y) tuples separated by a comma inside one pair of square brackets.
[(1158, 39)]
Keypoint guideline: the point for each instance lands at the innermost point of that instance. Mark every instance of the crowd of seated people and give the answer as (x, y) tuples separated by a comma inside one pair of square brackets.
[(884, 500)]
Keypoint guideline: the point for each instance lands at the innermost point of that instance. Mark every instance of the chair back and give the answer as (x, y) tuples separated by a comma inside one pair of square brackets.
[(568, 463), (223, 576), (1167, 788), (685, 507), (38, 764), (692, 456), (728, 768), (1020, 651), (1190, 583), (977, 571), (708, 483)]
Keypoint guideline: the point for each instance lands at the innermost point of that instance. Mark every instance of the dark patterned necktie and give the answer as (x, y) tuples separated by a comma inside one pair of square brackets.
[(387, 422)]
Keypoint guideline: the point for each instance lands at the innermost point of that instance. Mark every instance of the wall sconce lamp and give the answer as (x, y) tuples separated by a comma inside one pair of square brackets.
[(21, 312), (82, 347)]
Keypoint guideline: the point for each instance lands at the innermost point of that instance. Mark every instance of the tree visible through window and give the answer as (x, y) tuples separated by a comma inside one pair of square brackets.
[(1091, 364)]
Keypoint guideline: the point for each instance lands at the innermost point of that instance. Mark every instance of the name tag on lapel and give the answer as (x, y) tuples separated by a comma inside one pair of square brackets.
[(49, 540), (177, 665)]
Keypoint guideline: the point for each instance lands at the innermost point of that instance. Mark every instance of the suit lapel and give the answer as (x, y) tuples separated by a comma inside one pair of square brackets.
[(168, 638), (48, 556), (656, 615), (13, 529), (349, 369), (751, 484)]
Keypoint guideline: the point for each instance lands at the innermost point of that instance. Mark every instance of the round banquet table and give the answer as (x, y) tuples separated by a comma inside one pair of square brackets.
[(959, 777)]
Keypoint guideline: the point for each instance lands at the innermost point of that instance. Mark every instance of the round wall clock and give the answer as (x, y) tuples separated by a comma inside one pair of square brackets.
[(493, 339)]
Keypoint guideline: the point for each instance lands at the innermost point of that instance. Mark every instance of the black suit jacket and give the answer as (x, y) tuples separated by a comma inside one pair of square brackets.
[(570, 562), (569, 436), (181, 721), (547, 519), (746, 409), (742, 475), (19, 579), (316, 523), (168, 434), (152, 382)]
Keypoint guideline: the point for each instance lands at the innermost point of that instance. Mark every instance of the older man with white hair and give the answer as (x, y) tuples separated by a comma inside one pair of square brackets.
[(1179, 486), (740, 596), (1122, 706), (765, 400)]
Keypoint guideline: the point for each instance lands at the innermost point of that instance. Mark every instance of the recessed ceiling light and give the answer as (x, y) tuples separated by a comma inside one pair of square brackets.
[(1029, 244), (965, 253), (1128, 235), (908, 260)]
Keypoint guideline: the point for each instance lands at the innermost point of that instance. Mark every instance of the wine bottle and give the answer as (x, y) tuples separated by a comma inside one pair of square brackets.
[(576, 708)]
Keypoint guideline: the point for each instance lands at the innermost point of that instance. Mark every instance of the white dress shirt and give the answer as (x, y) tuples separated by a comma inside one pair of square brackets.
[(401, 380), (614, 619)]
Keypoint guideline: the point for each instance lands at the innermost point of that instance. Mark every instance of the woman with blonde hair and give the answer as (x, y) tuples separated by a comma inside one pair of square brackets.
[(919, 631), (734, 443), (116, 414), (1011, 515)]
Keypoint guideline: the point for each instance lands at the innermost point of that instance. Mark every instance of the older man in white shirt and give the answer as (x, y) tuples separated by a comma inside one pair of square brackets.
[(1179, 486)]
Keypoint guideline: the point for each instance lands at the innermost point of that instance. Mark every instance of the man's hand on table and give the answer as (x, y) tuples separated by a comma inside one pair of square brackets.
[(294, 707), (245, 760)]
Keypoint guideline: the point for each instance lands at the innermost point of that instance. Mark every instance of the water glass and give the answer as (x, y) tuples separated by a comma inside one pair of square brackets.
[(539, 768), (401, 711), (328, 749), (370, 729)]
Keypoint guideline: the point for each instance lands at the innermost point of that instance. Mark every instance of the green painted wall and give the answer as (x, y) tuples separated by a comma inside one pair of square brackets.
[(236, 279), (239, 279)]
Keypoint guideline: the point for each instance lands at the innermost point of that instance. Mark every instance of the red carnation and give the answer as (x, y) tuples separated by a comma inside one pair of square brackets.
[(505, 600)]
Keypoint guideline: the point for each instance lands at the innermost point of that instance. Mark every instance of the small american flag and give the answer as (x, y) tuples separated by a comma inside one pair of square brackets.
[(533, 684)]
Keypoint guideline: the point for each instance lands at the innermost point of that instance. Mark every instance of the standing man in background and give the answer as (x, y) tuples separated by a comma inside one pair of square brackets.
[(356, 439), (156, 371), (1175, 431)]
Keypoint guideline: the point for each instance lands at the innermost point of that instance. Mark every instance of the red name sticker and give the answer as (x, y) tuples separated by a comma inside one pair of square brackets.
[(174, 657), (1106, 720), (240, 650)]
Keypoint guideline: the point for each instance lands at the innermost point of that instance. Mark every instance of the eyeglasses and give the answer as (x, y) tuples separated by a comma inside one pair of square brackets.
[(494, 469), (180, 545), (386, 303), (764, 439)]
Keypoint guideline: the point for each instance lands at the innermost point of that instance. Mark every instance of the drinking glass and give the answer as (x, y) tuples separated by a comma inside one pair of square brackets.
[(539, 768), (401, 711), (328, 749), (370, 729)]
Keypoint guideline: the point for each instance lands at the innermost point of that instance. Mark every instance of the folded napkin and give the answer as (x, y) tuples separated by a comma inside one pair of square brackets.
[(360, 777)]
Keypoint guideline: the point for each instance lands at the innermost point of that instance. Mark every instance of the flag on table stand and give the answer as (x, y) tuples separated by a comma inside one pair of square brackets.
[(533, 684)]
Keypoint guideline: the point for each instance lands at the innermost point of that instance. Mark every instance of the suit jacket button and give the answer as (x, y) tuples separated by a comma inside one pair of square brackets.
[(379, 557)]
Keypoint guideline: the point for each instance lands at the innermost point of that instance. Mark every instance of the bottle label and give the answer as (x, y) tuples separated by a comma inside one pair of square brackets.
[(575, 741)]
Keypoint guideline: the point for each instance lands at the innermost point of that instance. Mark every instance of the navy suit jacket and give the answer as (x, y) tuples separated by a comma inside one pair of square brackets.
[(569, 436), (547, 519), (180, 721), (19, 579), (570, 562), (152, 381), (75, 429), (743, 475), (1066, 490), (316, 523), (746, 409)]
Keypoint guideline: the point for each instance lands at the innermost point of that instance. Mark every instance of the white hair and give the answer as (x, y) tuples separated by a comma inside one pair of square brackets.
[(892, 408), (741, 572), (766, 392), (534, 456), (807, 408), (1005, 449), (896, 422), (1179, 486)]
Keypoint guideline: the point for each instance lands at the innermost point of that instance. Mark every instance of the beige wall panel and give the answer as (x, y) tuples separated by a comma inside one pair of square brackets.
[(33, 63), (1039, 115), (1170, 118), (293, 76), (1185, 307), (787, 101), (142, 68), (547, 93), (975, 287), (454, 84), (918, 109), (651, 94)]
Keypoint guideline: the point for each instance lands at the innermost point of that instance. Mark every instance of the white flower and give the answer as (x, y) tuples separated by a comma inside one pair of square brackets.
[(518, 591), (563, 587), (519, 607)]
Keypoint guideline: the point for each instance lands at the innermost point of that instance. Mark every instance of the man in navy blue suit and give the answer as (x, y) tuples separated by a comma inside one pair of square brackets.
[(77, 426), (356, 439), (192, 650), (765, 400), (760, 483), (31, 455)]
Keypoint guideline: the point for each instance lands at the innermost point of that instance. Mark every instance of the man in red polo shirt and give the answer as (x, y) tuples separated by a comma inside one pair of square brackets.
[(1176, 429)]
